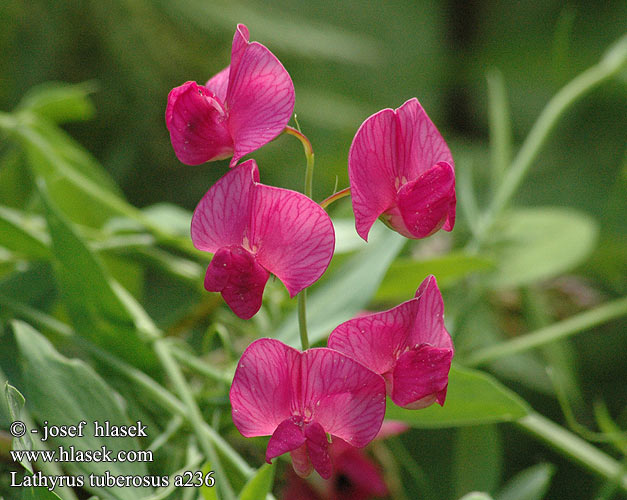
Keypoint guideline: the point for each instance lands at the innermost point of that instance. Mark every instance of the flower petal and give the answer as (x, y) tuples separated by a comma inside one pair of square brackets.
[(222, 217), (260, 96), (362, 476), (421, 374), (235, 273), (371, 163), (429, 326), (261, 393), (287, 437), (420, 145), (377, 339), (219, 83), (292, 235), (197, 125), (318, 449), (425, 203), (343, 396)]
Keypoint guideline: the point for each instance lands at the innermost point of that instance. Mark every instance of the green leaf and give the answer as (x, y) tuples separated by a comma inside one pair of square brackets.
[(23, 234), (39, 493), (473, 398), (540, 243), (346, 292), (100, 310), (208, 493), (477, 459), (259, 485), (65, 391), (530, 484), (15, 402), (405, 274), (60, 102)]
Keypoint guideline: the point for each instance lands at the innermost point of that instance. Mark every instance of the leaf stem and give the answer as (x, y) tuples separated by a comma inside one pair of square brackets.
[(170, 365), (556, 331), (335, 196), (609, 66), (574, 447)]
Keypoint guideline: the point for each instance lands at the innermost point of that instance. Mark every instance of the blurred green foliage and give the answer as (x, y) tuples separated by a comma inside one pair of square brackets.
[(75, 251)]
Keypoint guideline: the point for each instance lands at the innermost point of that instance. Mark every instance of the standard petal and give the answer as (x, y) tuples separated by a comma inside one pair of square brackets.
[(425, 203), (235, 273), (287, 437), (261, 392), (197, 125), (318, 449), (343, 396), (260, 97), (292, 236), (376, 340), (371, 164), (420, 145), (428, 325), (222, 217), (421, 374)]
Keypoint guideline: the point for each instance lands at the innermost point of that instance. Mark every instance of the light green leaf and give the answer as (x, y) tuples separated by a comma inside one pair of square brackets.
[(23, 234), (405, 274), (172, 218), (15, 403), (530, 484), (346, 292), (100, 310), (473, 398), (208, 493), (67, 391), (259, 485), (540, 243), (60, 102), (476, 495), (477, 459)]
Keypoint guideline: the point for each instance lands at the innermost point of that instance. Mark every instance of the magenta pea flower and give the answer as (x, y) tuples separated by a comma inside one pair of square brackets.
[(408, 345), (400, 169), (254, 230), (298, 397), (240, 109)]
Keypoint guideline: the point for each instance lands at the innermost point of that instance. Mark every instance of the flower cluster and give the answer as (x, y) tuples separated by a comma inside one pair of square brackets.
[(401, 171)]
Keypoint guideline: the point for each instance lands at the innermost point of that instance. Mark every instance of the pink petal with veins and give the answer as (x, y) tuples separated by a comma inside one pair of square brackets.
[(377, 339), (235, 273), (371, 162), (197, 125), (287, 437), (294, 236), (219, 83), (318, 449), (222, 217), (262, 390), (425, 203), (260, 97), (421, 376), (342, 395), (428, 328)]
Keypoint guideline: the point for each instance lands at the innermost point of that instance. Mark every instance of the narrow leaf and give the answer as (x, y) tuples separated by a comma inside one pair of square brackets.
[(530, 484), (15, 402), (259, 485)]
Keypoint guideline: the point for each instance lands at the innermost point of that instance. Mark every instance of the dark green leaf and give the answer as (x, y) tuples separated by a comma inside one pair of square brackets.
[(15, 402), (473, 398), (67, 391), (39, 493), (477, 459)]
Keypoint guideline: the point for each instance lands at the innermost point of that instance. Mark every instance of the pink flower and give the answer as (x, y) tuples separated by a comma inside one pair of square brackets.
[(254, 230), (240, 109), (299, 397), (408, 345), (401, 170)]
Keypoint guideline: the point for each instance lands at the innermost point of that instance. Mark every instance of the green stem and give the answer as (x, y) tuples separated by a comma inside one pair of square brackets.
[(335, 196), (500, 126), (574, 447), (302, 296), (195, 418), (609, 66), (199, 366), (575, 324)]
